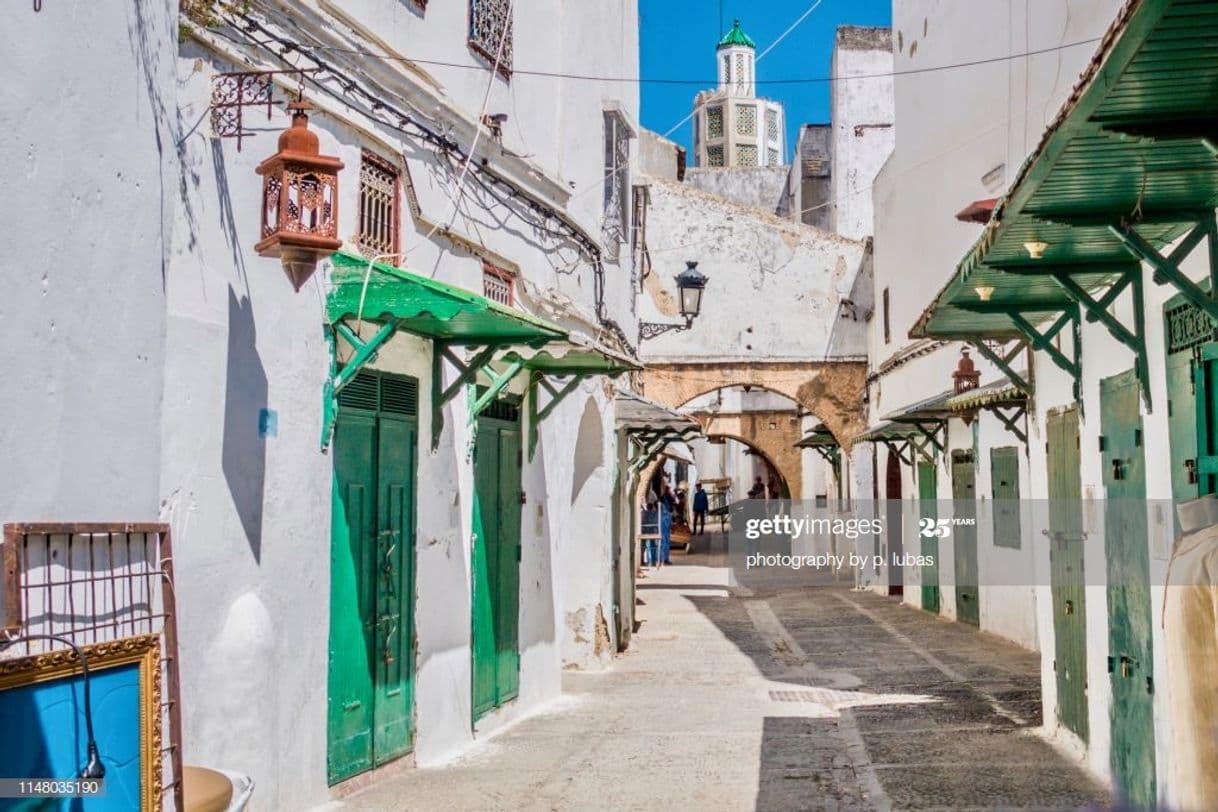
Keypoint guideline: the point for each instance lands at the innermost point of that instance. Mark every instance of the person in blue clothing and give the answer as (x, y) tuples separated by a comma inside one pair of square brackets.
[(651, 524), (701, 508), (668, 504)]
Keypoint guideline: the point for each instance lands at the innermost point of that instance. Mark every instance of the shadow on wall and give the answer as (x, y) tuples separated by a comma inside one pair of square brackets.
[(245, 394), (589, 448)]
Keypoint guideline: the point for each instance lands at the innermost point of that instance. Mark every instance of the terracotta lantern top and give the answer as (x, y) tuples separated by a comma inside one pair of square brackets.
[(966, 376), (299, 200)]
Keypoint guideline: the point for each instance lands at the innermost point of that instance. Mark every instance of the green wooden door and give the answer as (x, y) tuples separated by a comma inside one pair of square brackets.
[(1066, 583), (371, 666), (1190, 352), (1206, 410), (928, 494), (1129, 610), (496, 562), (964, 536), (1004, 484)]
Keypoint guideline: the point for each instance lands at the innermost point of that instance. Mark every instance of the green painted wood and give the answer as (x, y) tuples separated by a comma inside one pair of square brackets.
[(353, 526), (1066, 583), (928, 495), (1129, 602), (964, 537), (371, 658), (1182, 426), (1004, 485), (496, 562), (394, 579), (1206, 411)]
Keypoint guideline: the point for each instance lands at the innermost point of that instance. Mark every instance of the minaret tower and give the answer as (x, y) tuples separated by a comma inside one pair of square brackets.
[(732, 127), (737, 54)]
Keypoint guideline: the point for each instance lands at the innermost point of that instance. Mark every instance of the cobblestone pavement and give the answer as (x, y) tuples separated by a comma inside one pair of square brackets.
[(775, 699)]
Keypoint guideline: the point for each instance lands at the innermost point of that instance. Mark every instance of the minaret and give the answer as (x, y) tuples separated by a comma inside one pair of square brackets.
[(732, 127), (737, 53)]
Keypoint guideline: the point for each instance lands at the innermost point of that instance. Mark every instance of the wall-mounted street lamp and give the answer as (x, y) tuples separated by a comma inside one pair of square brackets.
[(690, 285)]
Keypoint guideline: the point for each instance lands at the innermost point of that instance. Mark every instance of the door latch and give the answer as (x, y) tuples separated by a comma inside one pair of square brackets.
[(1118, 468), (524, 499), (1190, 466)]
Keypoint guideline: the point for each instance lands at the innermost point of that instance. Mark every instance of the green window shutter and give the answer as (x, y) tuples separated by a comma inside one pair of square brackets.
[(1004, 483)]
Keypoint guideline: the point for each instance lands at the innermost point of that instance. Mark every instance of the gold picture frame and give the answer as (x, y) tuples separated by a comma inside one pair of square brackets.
[(144, 650)]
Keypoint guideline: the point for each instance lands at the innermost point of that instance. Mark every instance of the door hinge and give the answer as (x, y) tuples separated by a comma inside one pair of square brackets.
[(1111, 664), (1055, 666), (524, 499), (1103, 443), (1150, 685), (1137, 438), (519, 552)]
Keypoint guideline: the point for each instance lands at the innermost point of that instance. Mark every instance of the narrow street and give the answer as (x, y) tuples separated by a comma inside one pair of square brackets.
[(821, 698)]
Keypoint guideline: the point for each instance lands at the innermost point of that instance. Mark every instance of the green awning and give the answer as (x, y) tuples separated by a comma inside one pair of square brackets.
[(428, 308), (1131, 155), (886, 431), (998, 393), (575, 356), (818, 436), (929, 409)]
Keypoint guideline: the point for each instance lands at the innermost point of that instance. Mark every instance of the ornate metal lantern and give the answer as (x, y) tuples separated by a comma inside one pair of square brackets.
[(690, 284), (966, 375), (299, 200)]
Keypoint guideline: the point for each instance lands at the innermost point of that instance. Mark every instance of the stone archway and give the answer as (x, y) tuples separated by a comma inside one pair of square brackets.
[(831, 390), (772, 433)]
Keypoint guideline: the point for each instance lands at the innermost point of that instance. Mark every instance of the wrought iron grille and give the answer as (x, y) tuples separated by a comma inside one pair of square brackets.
[(772, 158), (98, 583), (1187, 327), (714, 122), (747, 154), (490, 23), (746, 119), (714, 156), (771, 124), (741, 81), (617, 180), (379, 193), (497, 284)]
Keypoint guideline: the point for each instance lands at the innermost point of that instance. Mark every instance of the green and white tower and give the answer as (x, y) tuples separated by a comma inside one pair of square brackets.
[(732, 127)]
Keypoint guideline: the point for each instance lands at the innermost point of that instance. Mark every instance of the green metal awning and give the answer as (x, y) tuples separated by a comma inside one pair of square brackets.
[(998, 393), (929, 408), (396, 300), (1126, 168), (651, 427), (818, 436), (899, 438), (428, 308)]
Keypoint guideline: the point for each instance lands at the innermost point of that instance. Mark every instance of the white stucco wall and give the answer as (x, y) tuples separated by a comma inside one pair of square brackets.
[(91, 182), (251, 514), (766, 274), (861, 112)]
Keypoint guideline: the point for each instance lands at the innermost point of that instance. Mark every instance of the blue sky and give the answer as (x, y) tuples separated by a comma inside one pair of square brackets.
[(678, 42)]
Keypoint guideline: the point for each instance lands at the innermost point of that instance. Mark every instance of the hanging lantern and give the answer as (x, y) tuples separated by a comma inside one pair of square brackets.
[(966, 375), (299, 200)]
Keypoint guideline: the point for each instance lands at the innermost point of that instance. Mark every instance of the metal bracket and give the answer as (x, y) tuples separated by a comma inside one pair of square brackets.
[(1004, 363), (1011, 421), (537, 412), (900, 450), (468, 372), (1044, 342), (1097, 310), (651, 329), (365, 351), (653, 441), (1167, 268)]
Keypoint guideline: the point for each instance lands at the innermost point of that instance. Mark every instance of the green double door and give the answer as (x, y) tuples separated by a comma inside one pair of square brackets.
[(371, 658), (496, 559), (928, 494), (1130, 663), (964, 537), (1066, 583)]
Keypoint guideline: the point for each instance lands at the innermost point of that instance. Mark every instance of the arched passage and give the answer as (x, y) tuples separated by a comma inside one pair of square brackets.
[(831, 390)]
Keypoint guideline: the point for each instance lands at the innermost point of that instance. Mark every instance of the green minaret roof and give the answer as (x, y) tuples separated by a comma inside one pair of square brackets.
[(737, 37)]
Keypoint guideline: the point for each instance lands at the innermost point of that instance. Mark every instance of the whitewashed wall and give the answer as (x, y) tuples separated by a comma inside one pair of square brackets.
[(90, 187)]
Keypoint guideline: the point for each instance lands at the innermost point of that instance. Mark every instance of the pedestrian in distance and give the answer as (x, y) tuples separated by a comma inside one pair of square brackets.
[(758, 489), (701, 508), (668, 506)]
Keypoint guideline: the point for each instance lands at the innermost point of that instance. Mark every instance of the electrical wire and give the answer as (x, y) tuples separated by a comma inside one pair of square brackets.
[(93, 764)]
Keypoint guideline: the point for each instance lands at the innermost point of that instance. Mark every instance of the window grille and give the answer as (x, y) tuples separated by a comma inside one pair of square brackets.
[(378, 206), (490, 22), (741, 84), (617, 183), (1187, 327), (747, 154), (771, 124), (746, 119), (714, 156), (771, 157), (714, 122), (497, 284), (727, 69)]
